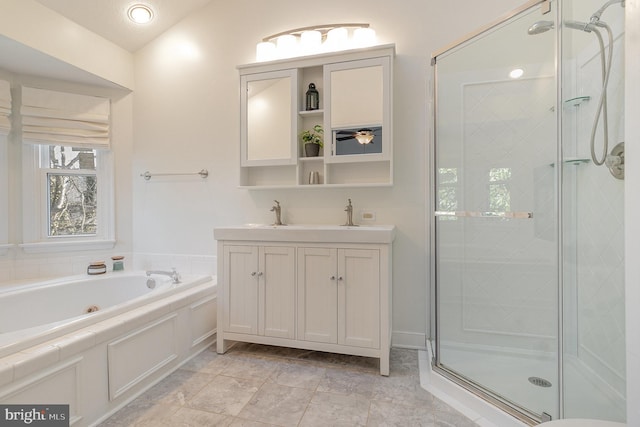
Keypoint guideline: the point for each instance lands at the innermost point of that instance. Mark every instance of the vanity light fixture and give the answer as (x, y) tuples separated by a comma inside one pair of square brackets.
[(140, 13), (315, 39)]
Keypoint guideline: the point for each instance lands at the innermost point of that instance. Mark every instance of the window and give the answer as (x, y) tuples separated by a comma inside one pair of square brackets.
[(499, 191), (447, 192), (72, 191), (67, 195), (73, 203)]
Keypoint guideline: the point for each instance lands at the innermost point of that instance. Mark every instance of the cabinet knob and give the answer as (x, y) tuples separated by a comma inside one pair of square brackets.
[(333, 278), (340, 278), (260, 274), (253, 274)]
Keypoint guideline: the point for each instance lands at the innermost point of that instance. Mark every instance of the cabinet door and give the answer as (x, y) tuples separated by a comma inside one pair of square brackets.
[(358, 97), (317, 295), (277, 292), (359, 297), (268, 118), (241, 289)]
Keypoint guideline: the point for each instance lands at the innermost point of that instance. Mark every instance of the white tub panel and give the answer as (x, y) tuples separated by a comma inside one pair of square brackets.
[(203, 315), (138, 355), (61, 380)]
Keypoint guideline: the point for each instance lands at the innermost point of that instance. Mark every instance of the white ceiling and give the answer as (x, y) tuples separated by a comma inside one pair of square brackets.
[(108, 18)]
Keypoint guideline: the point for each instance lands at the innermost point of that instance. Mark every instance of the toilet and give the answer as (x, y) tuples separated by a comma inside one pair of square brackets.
[(575, 422)]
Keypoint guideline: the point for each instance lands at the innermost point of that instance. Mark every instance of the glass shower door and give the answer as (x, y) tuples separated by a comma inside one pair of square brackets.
[(496, 213)]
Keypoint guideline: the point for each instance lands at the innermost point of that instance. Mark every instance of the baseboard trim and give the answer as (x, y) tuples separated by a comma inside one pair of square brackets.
[(412, 340)]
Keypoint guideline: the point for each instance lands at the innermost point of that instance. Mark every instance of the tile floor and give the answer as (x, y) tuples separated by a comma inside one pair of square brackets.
[(254, 385)]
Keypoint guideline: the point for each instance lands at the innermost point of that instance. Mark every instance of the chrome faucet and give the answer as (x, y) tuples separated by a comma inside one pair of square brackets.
[(349, 211), (276, 208), (175, 277)]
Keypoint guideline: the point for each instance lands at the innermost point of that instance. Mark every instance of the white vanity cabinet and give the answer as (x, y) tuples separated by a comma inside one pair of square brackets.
[(339, 296), (325, 288), (355, 92), (259, 285)]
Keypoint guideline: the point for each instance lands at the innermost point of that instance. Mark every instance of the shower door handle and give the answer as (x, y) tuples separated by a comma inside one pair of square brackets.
[(473, 214)]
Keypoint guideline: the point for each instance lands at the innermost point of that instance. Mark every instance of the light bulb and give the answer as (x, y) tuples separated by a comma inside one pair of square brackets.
[(265, 51), (337, 38), (516, 73), (140, 14), (310, 41), (286, 46), (363, 37)]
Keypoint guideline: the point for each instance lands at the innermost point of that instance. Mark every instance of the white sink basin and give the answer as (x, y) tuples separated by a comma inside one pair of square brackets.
[(307, 233)]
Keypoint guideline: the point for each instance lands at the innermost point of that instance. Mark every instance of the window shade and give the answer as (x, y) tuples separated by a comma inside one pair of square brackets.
[(5, 107), (60, 118)]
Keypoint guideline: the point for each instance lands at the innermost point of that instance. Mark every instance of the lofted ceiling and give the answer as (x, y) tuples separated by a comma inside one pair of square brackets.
[(108, 18)]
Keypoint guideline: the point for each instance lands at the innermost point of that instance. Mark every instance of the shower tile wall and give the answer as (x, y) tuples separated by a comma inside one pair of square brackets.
[(599, 226)]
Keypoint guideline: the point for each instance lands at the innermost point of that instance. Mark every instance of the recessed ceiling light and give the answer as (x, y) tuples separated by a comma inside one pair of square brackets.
[(516, 73), (140, 14)]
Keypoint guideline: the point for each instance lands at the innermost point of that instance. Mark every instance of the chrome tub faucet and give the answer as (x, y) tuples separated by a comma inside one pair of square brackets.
[(175, 277)]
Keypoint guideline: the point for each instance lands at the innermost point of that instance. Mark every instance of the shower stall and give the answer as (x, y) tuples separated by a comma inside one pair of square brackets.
[(527, 231)]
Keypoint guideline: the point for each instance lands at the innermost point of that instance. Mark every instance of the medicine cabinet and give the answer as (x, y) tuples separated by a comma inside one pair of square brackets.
[(355, 110), (268, 116)]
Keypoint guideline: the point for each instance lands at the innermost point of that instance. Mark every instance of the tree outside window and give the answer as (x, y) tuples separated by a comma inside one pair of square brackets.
[(72, 191), (499, 192)]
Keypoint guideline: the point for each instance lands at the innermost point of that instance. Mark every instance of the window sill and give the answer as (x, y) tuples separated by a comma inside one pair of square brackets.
[(42, 247)]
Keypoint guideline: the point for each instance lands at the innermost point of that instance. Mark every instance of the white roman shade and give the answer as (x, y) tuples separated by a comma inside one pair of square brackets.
[(60, 118), (5, 107)]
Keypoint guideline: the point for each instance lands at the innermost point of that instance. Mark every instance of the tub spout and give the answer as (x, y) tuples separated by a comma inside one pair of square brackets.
[(175, 277)]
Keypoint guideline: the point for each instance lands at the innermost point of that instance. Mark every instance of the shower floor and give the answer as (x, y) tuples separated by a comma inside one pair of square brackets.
[(508, 375)]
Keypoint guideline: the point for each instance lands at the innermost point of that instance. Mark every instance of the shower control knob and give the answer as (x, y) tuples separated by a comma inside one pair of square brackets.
[(614, 161)]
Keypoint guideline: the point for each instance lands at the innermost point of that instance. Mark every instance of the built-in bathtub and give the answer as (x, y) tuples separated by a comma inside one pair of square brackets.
[(96, 342)]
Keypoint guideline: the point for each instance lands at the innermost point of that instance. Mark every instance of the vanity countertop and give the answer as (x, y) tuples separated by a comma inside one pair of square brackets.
[(308, 233)]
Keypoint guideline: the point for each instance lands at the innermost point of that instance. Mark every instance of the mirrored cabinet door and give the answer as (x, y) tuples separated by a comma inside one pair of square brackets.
[(268, 118)]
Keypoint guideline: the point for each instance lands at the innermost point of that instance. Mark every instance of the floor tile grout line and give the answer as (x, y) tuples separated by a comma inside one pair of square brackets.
[(280, 363)]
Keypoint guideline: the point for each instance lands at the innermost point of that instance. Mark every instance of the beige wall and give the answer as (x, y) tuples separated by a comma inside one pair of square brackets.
[(186, 113)]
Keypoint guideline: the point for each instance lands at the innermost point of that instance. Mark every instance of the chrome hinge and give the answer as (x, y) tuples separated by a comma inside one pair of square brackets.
[(545, 417)]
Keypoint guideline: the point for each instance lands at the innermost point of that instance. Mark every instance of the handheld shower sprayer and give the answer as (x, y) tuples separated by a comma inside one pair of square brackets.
[(592, 26), (598, 13)]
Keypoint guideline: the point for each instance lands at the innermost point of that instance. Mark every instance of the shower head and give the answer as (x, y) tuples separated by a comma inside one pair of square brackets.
[(540, 27)]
